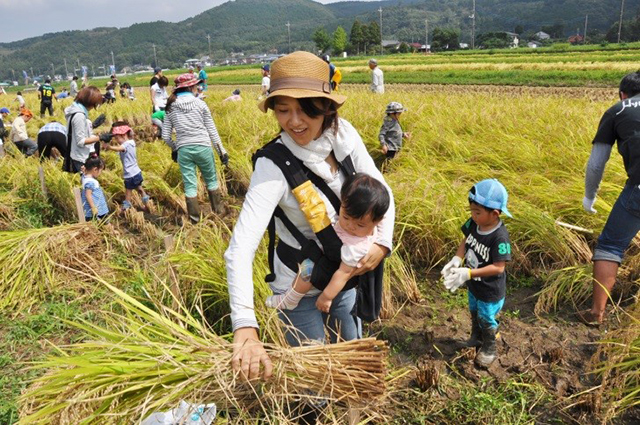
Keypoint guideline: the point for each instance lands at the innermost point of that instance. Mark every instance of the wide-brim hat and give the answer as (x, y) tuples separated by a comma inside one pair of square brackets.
[(300, 75), (186, 80)]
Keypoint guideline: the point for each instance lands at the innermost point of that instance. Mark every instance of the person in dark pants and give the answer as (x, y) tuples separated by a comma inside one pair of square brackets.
[(391, 133), (46, 93), (620, 124), (52, 135)]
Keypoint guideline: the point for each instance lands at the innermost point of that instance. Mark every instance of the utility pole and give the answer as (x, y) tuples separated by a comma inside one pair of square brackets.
[(209, 41), (288, 25), (66, 71), (620, 23), (586, 22), (380, 10), (14, 74), (113, 61), (426, 35), (32, 72), (53, 76), (78, 59), (473, 27), (155, 57)]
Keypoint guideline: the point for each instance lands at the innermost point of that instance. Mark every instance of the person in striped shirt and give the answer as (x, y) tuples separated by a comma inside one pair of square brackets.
[(195, 132)]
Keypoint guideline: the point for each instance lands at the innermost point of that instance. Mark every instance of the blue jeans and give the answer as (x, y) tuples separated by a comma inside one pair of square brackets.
[(307, 323), (487, 311), (622, 226)]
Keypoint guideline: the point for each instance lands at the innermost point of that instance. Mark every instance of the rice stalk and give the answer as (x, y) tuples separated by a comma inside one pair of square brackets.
[(144, 360), (617, 362), (33, 261)]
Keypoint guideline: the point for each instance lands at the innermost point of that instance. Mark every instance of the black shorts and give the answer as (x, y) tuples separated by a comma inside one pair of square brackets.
[(391, 154), (46, 106), (51, 139), (133, 182)]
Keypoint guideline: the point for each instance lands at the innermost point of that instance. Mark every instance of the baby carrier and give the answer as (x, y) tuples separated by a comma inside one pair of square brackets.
[(303, 184)]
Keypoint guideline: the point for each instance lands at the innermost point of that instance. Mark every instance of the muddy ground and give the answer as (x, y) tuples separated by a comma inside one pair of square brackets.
[(553, 351)]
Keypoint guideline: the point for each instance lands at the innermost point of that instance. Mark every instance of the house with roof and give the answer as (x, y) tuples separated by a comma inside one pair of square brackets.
[(534, 44), (541, 35)]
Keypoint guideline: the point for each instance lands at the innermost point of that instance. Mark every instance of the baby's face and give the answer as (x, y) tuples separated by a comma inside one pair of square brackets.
[(361, 227)]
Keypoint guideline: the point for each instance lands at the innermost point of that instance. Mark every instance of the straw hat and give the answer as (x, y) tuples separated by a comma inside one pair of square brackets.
[(300, 75)]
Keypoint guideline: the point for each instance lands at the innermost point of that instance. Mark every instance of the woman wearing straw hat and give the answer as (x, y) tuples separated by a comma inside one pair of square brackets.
[(195, 131), (306, 110)]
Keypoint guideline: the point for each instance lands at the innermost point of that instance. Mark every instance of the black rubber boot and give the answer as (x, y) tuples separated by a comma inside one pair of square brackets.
[(475, 340), (193, 210), (215, 199), (487, 353)]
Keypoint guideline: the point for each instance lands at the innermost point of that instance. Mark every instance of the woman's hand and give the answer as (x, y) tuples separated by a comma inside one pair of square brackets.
[(385, 149), (371, 260), (323, 303), (249, 353)]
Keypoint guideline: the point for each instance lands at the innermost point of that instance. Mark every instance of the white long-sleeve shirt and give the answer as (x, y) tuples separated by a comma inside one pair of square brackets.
[(268, 189), (377, 80)]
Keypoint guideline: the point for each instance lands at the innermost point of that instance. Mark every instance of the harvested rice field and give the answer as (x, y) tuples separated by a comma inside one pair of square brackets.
[(108, 323)]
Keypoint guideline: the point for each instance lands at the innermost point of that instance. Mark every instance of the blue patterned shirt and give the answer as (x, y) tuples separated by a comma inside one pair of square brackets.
[(97, 195)]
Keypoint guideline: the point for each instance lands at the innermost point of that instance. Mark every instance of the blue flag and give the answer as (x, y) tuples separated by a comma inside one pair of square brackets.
[(24, 74), (112, 69), (85, 70)]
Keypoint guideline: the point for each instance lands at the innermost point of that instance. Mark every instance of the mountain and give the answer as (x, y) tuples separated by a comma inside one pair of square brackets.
[(260, 25)]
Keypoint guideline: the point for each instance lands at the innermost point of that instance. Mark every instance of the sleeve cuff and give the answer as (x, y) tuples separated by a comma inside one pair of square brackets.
[(245, 323)]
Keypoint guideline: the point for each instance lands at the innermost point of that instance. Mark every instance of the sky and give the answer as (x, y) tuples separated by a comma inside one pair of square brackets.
[(21, 19)]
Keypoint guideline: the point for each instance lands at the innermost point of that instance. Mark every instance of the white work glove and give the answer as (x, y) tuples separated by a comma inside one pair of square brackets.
[(587, 204), (456, 278), (455, 262)]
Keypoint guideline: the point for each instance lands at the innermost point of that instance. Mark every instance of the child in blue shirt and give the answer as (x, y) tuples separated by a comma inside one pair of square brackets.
[(94, 201), (126, 148), (486, 248)]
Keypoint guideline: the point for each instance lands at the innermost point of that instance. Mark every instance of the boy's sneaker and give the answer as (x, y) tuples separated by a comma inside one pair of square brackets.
[(145, 199), (126, 205)]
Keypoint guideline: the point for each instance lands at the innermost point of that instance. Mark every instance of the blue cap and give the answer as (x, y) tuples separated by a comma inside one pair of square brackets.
[(492, 194), (5, 111), (265, 67)]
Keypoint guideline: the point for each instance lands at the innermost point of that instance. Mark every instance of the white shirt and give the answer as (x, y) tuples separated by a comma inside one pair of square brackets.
[(268, 189), (377, 80), (73, 88), (266, 82), (160, 96)]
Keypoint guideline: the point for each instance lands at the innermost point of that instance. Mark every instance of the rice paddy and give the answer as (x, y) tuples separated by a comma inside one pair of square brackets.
[(149, 322)]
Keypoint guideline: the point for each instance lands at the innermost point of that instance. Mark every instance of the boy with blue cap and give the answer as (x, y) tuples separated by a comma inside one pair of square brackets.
[(486, 248)]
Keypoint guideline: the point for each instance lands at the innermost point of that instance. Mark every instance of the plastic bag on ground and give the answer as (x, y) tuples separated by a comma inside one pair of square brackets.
[(185, 414)]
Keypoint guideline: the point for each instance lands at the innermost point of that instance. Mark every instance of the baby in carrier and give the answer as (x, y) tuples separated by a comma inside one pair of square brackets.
[(365, 201)]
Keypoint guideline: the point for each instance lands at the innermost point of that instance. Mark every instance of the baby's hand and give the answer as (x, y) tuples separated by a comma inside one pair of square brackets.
[(324, 303)]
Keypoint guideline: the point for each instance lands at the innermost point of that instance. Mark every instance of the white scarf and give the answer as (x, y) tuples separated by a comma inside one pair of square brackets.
[(314, 154)]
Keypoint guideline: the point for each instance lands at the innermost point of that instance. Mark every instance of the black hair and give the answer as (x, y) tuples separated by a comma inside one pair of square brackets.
[(314, 107), (363, 195), (630, 84), (174, 96), (236, 91), (47, 81), (75, 77), (94, 161), (163, 81), (19, 93)]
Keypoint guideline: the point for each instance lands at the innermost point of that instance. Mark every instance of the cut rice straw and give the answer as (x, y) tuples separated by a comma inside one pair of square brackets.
[(144, 360)]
